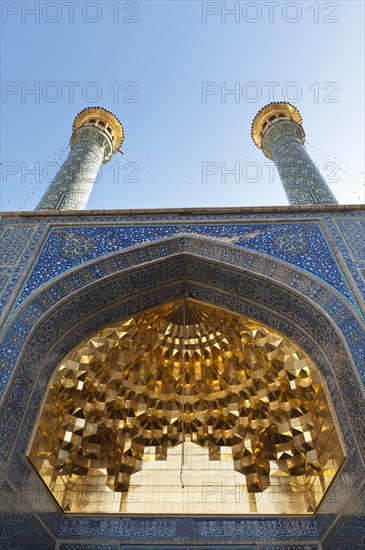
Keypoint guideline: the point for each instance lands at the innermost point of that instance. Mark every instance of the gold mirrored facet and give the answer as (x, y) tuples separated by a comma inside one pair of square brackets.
[(246, 406)]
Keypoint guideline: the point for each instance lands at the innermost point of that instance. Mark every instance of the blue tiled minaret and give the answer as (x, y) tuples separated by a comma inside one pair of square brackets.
[(277, 130), (97, 135)]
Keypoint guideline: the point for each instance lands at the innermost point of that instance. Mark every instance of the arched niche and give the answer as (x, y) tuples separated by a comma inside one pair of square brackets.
[(192, 407), (65, 319)]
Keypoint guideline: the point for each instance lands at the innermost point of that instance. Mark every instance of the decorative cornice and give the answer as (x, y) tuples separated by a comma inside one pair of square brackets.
[(235, 210)]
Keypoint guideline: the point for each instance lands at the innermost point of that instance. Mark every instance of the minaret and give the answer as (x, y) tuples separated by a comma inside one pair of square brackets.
[(277, 130), (97, 135)]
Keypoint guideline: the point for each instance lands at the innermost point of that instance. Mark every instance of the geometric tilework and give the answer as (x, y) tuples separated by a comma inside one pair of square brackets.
[(72, 185), (308, 546), (349, 531), (13, 240), (74, 245), (87, 546), (348, 225), (354, 233), (158, 547), (18, 532), (301, 179), (281, 128), (20, 529), (81, 546), (291, 242), (349, 534), (10, 276), (4, 278)]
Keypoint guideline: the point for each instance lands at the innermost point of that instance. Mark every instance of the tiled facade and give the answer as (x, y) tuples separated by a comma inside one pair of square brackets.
[(301, 179), (296, 270), (71, 188)]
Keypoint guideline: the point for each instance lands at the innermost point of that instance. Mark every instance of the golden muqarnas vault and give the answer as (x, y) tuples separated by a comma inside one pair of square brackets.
[(187, 408)]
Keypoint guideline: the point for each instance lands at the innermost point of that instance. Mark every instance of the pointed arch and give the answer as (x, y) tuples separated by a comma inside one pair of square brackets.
[(86, 299)]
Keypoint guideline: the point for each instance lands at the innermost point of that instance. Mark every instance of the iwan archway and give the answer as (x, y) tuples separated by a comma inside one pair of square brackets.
[(191, 408), (66, 319)]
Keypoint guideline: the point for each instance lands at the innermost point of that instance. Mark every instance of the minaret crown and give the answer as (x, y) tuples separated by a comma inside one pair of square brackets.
[(104, 120), (269, 115)]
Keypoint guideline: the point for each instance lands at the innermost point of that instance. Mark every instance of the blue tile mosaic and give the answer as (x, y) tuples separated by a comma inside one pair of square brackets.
[(93, 271), (308, 546), (19, 527), (189, 530), (71, 187), (302, 245), (349, 534), (349, 530), (17, 252), (87, 546), (41, 224), (4, 279), (283, 141), (13, 243), (189, 547), (354, 234), (349, 237)]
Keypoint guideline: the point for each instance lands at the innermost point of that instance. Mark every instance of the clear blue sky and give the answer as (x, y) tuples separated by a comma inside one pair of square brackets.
[(162, 53)]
